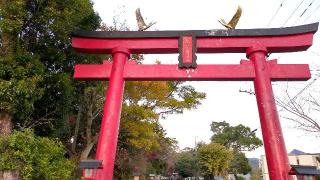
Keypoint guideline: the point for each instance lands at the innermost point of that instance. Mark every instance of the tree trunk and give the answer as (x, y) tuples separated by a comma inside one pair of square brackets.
[(85, 153), (89, 123), (76, 131), (5, 123), (9, 175), (6, 129), (5, 117), (5, 38), (91, 140)]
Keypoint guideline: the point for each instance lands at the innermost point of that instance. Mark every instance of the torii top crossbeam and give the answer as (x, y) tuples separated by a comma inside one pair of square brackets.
[(256, 43), (289, 39)]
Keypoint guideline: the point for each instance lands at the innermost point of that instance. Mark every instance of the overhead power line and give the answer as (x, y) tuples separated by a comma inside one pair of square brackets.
[(275, 14), (292, 14), (305, 10), (315, 10)]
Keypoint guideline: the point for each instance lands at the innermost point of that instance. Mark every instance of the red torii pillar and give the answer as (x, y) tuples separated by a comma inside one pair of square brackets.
[(256, 43)]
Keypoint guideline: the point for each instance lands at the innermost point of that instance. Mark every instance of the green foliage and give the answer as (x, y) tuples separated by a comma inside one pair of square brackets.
[(20, 76), (50, 115), (240, 164), (41, 29), (163, 97), (38, 32), (142, 147), (141, 136), (214, 159), (12, 15), (34, 157), (46, 31), (187, 163), (239, 137), (47, 34), (36, 64)]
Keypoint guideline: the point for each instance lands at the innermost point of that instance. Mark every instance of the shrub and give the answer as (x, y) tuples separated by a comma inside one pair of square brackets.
[(34, 157)]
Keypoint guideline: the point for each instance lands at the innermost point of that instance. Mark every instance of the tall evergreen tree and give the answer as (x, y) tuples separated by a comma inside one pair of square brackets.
[(37, 59), (237, 138), (37, 89)]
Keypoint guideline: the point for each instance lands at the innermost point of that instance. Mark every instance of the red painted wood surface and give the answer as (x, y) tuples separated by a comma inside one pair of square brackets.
[(259, 70), (274, 44), (187, 54), (109, 130), (274, 145), (159, 72)]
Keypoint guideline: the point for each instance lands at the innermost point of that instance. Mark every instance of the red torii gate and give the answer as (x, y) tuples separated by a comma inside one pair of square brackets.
[(256, 43)]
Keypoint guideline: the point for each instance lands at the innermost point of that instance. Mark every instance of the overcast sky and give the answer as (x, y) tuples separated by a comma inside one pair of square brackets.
[(224, 101)]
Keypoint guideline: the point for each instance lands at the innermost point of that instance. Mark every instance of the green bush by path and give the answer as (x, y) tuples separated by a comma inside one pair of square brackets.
[(34, 157)]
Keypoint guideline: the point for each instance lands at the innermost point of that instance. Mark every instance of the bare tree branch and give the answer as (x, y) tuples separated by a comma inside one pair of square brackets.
[(303, 108)]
